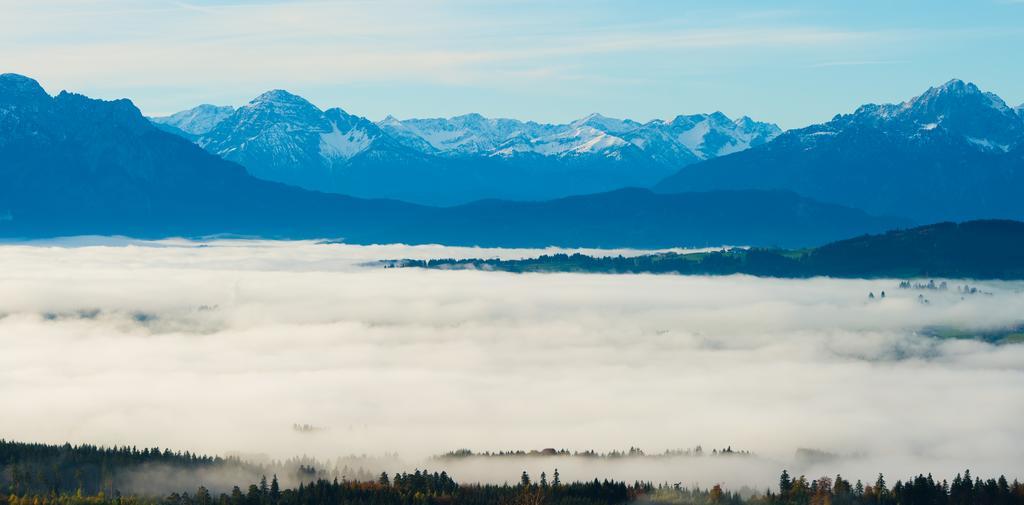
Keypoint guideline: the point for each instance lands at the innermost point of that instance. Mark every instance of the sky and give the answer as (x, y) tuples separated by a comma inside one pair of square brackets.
[(791, 62), (221, 347)]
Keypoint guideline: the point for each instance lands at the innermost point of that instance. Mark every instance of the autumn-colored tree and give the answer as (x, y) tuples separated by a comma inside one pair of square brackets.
[(822, 492), (715, 495)]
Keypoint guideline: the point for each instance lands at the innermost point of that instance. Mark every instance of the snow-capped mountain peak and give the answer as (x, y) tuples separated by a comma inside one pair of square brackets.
[(197, 120), (683, 140), (606, 124), (949, 153), (955, 92), (955, 87), (708, 136), (389, 120), (955, 108), (719, 117), (280, 98), (745, 122), (459, 136), (282, 137)]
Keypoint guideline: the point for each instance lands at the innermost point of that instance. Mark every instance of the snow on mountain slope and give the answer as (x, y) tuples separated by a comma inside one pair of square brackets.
[(197, 120), (578, 141), (606, 124), (953, 152), (343, 145), (282, 137), (955, 108), (684, 140), (469, 134), (690, 138)]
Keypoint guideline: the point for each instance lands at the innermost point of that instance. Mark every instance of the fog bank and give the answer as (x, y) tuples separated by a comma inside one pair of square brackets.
[(222, 347)]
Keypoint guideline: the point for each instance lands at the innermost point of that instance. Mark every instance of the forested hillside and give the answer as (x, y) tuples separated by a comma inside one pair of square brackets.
[(975, 250)]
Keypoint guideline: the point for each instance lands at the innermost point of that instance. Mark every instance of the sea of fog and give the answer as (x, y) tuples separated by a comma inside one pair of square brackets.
[(222, 346)]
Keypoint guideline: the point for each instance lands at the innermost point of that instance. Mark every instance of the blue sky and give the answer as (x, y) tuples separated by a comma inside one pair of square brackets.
[(792, 62)]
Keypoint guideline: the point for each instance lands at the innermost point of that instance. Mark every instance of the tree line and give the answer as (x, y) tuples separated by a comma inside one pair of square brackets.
[(975, 249), (438, 488), (920, 490), (39, 474), (42, 469), (632, 452)]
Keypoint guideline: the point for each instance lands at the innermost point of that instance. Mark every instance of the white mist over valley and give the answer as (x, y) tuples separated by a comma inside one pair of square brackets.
[(222, 347)]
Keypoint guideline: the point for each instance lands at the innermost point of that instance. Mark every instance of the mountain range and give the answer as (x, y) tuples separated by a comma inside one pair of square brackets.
[(72, 165), (282, 137), (953, 153)]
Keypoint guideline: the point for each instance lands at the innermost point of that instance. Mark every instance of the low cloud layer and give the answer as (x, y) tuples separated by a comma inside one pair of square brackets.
[(223, 347)]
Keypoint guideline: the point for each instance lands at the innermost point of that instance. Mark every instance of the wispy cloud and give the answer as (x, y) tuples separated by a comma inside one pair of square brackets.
[(526, 58), (331, 42), (854, 63)]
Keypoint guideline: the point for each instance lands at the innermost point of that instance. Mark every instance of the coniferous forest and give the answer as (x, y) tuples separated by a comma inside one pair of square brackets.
[(39, 474)]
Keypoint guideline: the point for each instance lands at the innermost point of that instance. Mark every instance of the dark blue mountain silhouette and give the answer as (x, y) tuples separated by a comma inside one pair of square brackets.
[(71, 165)]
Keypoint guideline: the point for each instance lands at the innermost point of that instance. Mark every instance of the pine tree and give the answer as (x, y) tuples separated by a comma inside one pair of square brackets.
[(275, 491), (252, 497), (236, 496), (785, 485), (202, 496), (881, 492)]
